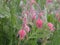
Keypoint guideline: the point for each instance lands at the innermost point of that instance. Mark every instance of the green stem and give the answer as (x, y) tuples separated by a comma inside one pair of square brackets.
[(19, 42)]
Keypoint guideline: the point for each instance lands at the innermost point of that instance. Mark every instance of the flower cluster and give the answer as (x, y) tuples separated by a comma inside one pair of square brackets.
[(37, 17)]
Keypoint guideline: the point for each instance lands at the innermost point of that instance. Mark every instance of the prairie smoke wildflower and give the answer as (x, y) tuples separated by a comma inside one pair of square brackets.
[(33, 15), (24, 20), (58, 16), (22, 34), (27, 29), (51, 26), (39, 23), (33, 1), (41, 14), (49, 1)]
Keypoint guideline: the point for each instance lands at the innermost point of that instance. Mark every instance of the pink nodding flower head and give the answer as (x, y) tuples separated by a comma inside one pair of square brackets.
[(22, 34), (57, 15), (23, 25), (24, 20), (33, 15), (41, 14), (27, 12), (39, 23), (51, 26), (33, 1), (49, 1), (27, 29), (32, 9)]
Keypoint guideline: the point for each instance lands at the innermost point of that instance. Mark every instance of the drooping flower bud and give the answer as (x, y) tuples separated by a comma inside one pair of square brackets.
[(22, 34), (39, 23), (33, 1), (27, 29), (58, 16), (49, 1), (51, 26)]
